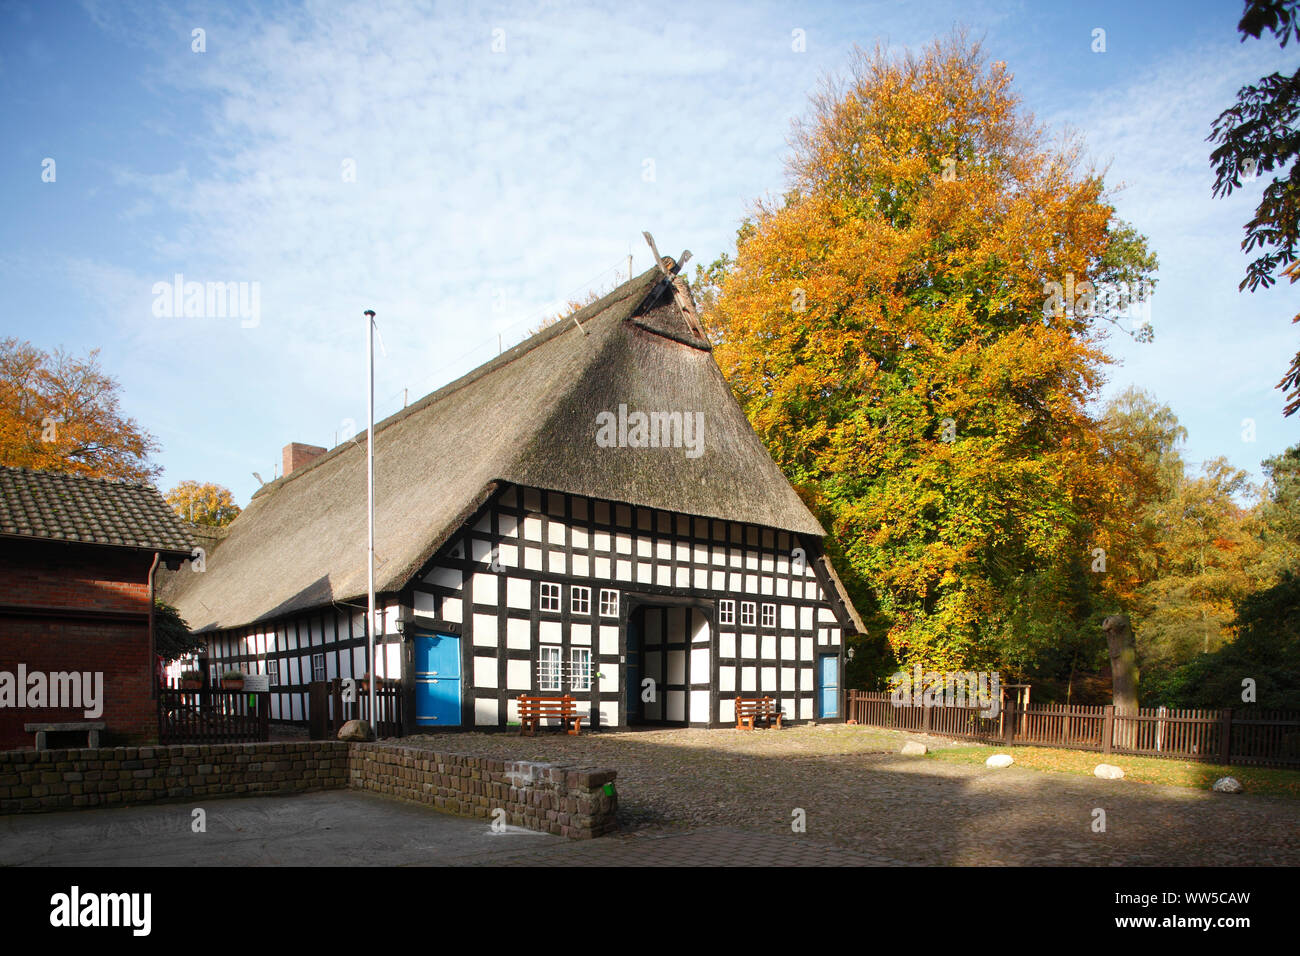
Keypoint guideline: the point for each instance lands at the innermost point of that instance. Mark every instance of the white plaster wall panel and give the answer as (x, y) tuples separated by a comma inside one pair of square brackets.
[(519, 593), (789, 679), (683, 577), (623, 570), (700, 673), (769, 646), (664, 576), (677, 667), (601, 540), (768, 678), (445, 578), (700, 706), (805, 648), (751, 583), (485, 630), (318, 636), (555, 533), (550, 632), (683, 552), (735, 558), (484, 588), (580, 541), (822, 637), (782, 587), (480, 551), (748, 679), (580, 634), (726, 644), (581, 566), (788, 617), (805, 709), (700, 554), (720, 556), (623, 543), (608, 713), (675, 705), (699, 626), (726, 679), (508, 556), (451, 609), (608, 680), (765, 586), (532, 528), (805, 619), (748, 646), (835, 635), (733, 581), (485, 672), (644, 573), (701, 579), (644, 547), (664, 550), (788, 648), (486, 713), (484, 523), (555, 562), (719, 581), (608, 639), (602, 569), (751, 560), (727, 710), (767, 564), (391, 661), (508, 525), (825, 615), (519, 676), (805, 678), (533, 559), (796, 589), (518, 633)]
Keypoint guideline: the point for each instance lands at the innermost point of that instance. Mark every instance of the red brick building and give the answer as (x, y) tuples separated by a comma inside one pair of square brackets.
[(77, 562)]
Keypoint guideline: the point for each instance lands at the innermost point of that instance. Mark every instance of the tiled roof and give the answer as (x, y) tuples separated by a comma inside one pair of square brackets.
[(57, 507)]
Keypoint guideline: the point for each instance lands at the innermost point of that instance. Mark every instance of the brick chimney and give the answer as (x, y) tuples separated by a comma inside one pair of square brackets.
[(296, 455)]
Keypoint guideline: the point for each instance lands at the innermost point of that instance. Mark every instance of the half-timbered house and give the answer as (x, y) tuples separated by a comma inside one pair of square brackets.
[(588, 513)]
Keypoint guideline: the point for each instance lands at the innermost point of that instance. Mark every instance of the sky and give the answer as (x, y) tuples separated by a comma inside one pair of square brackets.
[(463, 169)]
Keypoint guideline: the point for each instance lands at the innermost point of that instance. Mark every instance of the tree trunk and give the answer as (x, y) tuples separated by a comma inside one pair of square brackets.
[(1123, 677)]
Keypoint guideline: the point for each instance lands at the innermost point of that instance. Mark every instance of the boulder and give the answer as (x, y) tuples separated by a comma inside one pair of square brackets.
[(1108, 771), (355, 730), (913, 749), (999, 760), (1227, 785)]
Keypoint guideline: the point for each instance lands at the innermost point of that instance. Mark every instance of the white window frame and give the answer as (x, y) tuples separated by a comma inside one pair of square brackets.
[(747, 618), (580, 669), (547, 596), (608, 602), (273, 671), (322, 670), (548, 668), (580, 599), (769, 615), (727, 612)]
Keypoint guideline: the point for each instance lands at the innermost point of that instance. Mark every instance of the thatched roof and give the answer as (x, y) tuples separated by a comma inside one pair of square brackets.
[(527, 417)]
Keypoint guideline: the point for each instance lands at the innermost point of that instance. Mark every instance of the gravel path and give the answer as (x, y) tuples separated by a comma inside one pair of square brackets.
[(859, 793)]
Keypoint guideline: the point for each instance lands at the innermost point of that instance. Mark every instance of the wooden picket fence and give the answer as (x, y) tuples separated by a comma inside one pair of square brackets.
[(1220, 736), (212, 716), (329, 711)]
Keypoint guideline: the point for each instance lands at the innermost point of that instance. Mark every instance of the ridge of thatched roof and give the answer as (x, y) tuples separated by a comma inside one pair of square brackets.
[(527, 417)]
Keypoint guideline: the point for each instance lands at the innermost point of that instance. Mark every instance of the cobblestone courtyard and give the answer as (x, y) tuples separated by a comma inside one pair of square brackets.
[(861, 795)]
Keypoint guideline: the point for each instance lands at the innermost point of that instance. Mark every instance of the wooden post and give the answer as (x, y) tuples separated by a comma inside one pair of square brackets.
[(1107, 727), (1225, 735), (264, 717), (1008, 724), (925, 718)]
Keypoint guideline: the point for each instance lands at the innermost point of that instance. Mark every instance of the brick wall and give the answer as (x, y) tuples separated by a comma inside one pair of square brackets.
[(568, 801), (50, 579)]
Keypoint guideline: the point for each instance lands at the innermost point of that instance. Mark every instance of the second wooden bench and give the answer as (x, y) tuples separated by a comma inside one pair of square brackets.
[(749, 710), (534, 709)]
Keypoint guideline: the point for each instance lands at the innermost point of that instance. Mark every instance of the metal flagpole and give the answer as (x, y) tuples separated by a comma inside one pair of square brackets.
[(370, 503)]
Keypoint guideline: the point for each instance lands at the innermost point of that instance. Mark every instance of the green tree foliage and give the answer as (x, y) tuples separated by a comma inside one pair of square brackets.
[(1261, 134), (172, 635)]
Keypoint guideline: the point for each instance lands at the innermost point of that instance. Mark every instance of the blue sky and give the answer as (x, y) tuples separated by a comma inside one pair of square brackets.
[(491, 185)]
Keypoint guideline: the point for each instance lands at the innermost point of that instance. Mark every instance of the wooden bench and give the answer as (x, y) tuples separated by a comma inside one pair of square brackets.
[(90, 728), (533, 709), (748, 710)]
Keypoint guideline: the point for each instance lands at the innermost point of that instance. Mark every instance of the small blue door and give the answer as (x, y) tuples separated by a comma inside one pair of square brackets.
[(829, 701), (437, 680)]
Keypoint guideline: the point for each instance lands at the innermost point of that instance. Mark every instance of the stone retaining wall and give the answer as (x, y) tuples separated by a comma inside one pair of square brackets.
[(569, 801)]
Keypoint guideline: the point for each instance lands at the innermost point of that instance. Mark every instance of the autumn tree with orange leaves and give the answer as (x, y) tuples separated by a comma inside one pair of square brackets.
[(914, 332), (61, 413)]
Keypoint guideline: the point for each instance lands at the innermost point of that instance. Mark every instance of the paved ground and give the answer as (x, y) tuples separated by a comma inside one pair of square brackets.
[(709, 797)]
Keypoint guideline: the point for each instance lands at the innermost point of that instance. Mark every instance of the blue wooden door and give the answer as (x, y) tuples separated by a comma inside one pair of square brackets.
[(437, 680), (828, 704)]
